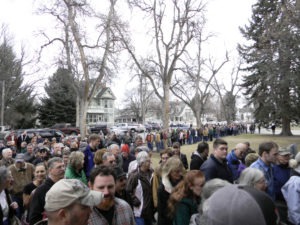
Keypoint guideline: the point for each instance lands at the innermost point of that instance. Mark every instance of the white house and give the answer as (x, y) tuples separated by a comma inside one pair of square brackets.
[(101, 107)]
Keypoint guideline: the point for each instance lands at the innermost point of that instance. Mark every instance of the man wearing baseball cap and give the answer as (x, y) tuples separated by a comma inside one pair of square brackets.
[(69, 202)]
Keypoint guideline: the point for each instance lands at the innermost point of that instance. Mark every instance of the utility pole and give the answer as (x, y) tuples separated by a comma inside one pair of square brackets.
[(2, 102)]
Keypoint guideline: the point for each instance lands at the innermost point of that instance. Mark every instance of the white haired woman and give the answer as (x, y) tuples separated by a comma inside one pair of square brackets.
[(7, 212), (75, 167), (139, 190), (253, 177)]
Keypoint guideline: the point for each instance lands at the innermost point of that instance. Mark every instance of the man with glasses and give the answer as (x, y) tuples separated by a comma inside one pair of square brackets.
[(109, 159), (216, 166), (234, 159), (56, 172)]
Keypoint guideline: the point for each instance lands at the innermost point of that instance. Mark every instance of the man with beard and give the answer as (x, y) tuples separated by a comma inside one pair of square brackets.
[(68, 202), (56, 172), (111, 210)]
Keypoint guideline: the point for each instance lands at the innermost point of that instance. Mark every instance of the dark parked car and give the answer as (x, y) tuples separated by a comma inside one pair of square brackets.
[(100, 127), (66, 128), (44, 133)]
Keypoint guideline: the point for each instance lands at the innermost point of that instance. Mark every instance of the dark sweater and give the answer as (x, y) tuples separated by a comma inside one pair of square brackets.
[(37, 203)]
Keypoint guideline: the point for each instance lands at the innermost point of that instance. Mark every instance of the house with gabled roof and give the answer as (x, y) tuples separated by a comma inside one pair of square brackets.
[(101, 107)]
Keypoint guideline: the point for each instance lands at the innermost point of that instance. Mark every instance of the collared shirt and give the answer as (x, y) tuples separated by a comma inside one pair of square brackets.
[(269, 175), (123, 215), (291, 192)]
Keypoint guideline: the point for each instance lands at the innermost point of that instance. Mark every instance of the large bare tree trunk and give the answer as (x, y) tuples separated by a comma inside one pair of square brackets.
[(83, 113), (166, 106), (286, 127)]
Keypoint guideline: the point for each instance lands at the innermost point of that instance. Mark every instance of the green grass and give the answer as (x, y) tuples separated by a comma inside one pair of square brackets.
[(254, 140)]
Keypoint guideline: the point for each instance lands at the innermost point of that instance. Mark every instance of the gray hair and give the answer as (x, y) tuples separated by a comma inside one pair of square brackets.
[(3, 176), (6, 150), (212, 186), (112, 146), (54, 160), (75, 159), (250, 176), (106, 155), (142, 157), (209, 188)]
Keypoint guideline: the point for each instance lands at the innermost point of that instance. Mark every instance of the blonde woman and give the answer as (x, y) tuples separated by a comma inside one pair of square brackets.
[(172, 173), (75, 167)]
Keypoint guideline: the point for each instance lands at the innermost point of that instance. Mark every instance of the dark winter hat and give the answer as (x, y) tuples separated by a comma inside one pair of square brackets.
[(119, 172), (236, 205)]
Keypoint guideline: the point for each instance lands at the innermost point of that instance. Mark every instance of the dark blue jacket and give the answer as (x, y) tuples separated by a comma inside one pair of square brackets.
[(235, 165), (281, 176), (212, 168), (88, 161)]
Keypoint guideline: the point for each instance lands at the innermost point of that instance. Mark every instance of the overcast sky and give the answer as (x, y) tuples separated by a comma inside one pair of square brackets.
[(224, 18)]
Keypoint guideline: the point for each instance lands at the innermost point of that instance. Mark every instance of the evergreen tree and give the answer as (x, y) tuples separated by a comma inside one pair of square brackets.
[(272, 57), (19, 109), (60, 104)]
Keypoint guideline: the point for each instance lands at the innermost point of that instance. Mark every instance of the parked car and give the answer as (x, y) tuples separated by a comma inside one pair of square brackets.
[(118, 130), (43, 132), (66, 128), (99, 127), (132, 127), (148, 127), (179, 126)]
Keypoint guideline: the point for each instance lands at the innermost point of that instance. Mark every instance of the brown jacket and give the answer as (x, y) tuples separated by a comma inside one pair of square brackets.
[(22, 177)]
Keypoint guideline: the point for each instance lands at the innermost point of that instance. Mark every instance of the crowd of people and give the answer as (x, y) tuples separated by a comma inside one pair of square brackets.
[(108, 181)]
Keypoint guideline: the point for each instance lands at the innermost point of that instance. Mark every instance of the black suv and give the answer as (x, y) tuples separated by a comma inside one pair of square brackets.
[(43, 132)]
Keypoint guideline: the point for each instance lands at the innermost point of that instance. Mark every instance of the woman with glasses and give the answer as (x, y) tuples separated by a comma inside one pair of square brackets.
[(253, 177), (75, 167)]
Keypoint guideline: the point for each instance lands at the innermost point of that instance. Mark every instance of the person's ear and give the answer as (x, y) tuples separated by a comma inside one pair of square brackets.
[(90, 185), (62, 214)]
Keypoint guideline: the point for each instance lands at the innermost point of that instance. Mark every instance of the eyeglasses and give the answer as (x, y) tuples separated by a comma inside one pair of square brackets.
[(112, 161)]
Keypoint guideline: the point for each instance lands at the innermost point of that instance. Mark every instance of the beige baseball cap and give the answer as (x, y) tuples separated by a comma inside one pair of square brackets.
[(68, 191)]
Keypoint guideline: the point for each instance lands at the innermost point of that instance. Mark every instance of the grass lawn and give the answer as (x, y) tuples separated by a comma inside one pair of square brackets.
[(254, 139)]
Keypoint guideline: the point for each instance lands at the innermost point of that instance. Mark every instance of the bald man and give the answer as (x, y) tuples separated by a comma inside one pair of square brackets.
[(234, 159)]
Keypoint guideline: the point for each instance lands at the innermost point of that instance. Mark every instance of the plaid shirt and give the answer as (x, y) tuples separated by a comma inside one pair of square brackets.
[(123, 215)]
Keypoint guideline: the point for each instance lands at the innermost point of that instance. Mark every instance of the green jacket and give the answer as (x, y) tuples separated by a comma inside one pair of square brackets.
[(184, 211), (72, 174)]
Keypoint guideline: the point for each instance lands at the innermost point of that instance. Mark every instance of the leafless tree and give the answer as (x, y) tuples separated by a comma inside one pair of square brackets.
[(192, 84), (89, 46), (138, 99), (228, 97), (172, 29)]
